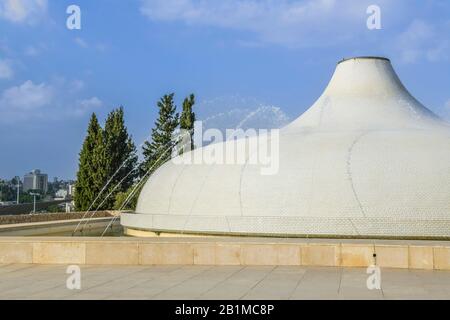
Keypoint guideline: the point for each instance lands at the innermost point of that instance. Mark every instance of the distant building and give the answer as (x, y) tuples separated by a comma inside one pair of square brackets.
[(35, 180), (61, 194)]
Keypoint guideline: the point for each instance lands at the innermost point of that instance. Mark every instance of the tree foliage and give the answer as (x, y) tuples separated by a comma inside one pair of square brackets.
[(108, 157), (7, 193), (91, 169), (187, 118), (125, 200), (159, 149), (121, 158)]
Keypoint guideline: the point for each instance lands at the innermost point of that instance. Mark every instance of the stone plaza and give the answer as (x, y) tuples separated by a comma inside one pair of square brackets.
[(23, 281)]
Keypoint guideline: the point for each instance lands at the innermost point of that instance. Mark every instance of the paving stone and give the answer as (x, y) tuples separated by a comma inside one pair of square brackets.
[(219, 282)]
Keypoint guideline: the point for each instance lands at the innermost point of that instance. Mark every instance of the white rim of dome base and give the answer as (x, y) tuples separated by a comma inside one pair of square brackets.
[(291, 226)]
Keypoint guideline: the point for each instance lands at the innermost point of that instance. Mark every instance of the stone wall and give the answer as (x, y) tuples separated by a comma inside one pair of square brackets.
[(43, 217), (427, 255)]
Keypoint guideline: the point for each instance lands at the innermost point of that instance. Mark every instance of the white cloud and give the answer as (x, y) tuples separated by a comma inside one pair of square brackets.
[(23, 11), (81, 42), (26, 97), (423, 41), (35, 50), (76, 85), (6, 70), (440, 52), (292, 23), (99, 47), (59, 99), (87, 105)]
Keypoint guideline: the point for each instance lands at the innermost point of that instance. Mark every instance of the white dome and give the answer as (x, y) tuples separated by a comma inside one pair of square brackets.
[(367, 159)]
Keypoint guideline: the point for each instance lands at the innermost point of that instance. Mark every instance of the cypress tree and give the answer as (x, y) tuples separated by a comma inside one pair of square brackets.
[(91, 169), (187, 117), (121, 157), (159, 150)]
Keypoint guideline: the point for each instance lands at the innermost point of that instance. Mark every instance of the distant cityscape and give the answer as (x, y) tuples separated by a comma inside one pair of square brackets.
[(35, 186)]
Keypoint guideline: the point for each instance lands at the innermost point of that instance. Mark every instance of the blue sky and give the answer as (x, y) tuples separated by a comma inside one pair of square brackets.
[(234, 55)]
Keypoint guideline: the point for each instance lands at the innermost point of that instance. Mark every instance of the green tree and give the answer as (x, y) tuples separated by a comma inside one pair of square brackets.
[(131, 201), (91, 168), (26, 198), (6, 192), (54, 209), (187, 118), (121, 157), (159, 150)]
